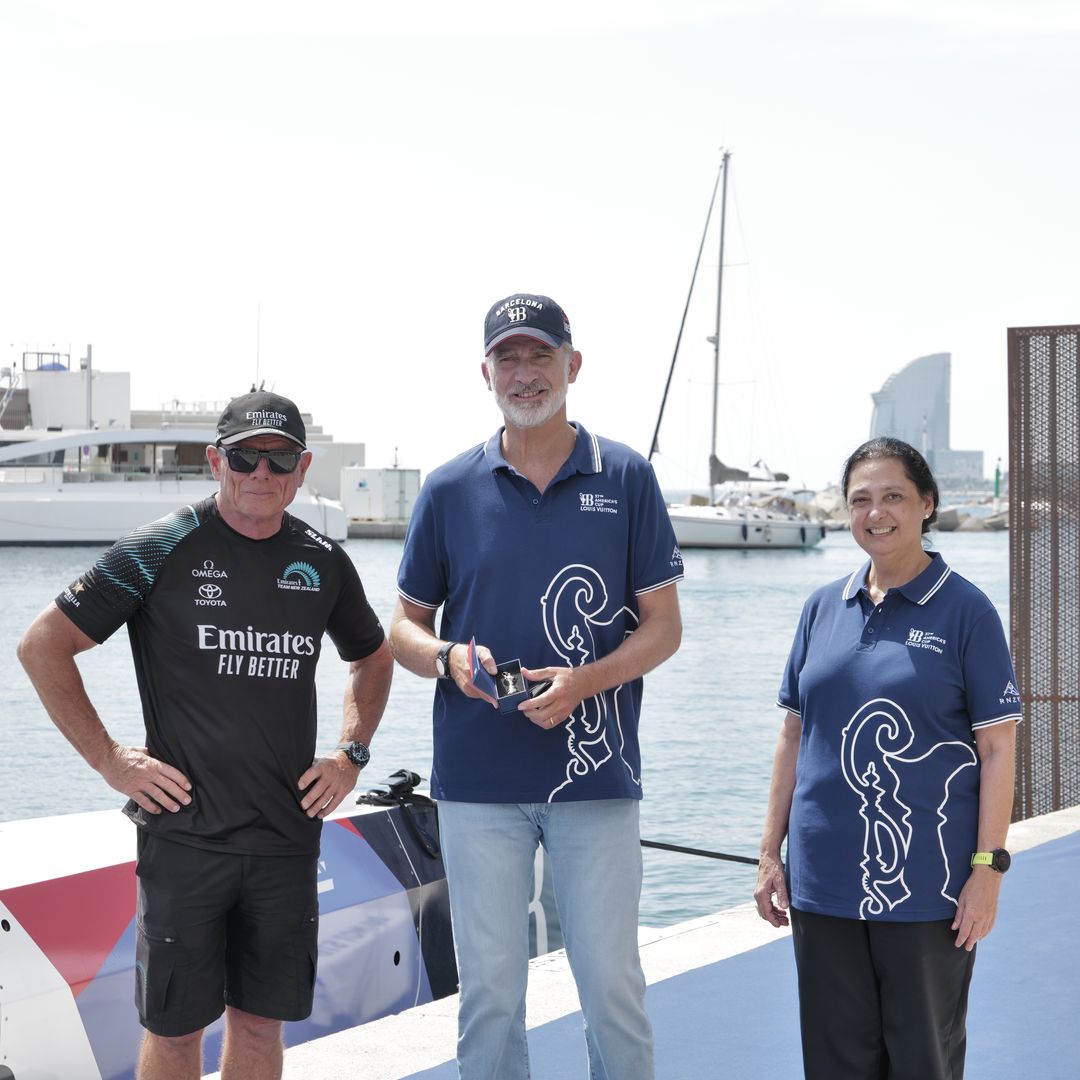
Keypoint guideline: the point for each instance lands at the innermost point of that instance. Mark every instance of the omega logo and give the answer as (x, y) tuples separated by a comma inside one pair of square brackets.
[(208, 571)]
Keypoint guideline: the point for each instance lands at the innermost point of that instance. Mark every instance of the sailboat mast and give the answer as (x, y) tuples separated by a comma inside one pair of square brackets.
[(654, 446), (716, 336)]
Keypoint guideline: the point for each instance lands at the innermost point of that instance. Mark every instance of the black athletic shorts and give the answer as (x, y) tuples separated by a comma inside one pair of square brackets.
[(217, 929)]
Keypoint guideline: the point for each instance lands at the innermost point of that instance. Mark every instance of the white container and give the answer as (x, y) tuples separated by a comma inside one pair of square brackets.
[(379, 494)]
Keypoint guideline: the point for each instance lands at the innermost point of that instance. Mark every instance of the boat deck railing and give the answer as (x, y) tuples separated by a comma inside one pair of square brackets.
[(58, 474)]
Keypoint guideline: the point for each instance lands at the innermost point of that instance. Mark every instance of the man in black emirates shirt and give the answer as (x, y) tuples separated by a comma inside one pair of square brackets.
[(226, 603)]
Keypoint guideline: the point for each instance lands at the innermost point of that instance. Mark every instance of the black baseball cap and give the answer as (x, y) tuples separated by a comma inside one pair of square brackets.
[(260, 413), (526, 315)]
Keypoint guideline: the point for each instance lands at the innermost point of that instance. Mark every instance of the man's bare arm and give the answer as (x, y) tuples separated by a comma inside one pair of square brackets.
[(412, 638), (331, 778), (415, 646), (47, 651), (366, 691)]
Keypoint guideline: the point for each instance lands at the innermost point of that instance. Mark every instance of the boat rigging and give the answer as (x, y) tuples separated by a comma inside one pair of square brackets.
[(734, 521)]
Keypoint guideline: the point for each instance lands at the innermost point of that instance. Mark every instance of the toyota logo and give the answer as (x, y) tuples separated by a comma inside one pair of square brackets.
[(209, 591)]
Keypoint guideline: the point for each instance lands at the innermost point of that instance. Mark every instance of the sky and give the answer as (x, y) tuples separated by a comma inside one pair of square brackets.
[(327, 197)]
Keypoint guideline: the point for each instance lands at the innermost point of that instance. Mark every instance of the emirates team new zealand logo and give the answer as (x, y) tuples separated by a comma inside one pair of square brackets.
[(299, 577)]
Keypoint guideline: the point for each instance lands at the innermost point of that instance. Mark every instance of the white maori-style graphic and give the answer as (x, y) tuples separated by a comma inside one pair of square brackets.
[(872, 751), (574, 602)]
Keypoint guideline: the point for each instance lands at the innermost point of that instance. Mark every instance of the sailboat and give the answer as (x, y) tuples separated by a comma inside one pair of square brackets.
[(735, 519)]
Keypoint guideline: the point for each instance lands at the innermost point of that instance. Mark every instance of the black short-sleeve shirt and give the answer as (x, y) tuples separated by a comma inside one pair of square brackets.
[(225, 633)]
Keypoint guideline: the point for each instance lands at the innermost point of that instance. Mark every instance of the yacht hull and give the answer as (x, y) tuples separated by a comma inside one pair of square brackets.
[(724, 527), (104, 510), (67, 901)]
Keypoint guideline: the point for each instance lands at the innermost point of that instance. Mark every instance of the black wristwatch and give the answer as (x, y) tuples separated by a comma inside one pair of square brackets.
[(442, 661), (356, 752), (998, 859)]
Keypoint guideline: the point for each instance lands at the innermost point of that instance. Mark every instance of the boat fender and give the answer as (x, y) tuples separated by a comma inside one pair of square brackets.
[(802, 533), (745, 532)]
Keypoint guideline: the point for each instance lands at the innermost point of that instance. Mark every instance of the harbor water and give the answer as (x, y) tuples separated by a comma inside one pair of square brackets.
[(708, 727)]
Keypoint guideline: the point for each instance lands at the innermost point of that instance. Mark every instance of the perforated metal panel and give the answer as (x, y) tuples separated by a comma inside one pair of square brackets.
[(1044, 523)]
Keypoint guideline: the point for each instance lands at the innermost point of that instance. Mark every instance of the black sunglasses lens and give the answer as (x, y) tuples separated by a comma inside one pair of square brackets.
[(283, 461), (244, 460), (241, 460)]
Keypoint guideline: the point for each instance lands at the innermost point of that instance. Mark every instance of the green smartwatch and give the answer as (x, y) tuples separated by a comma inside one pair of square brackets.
[(998, 859)]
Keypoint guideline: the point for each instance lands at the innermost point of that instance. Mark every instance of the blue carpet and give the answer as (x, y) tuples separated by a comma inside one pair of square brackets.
[(1025, 995), (738, 1019)]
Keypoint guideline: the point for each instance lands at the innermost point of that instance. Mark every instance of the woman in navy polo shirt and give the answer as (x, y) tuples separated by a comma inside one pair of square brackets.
[(893, 782)]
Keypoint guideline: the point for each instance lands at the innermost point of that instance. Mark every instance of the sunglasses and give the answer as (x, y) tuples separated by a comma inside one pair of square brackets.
[(243, 459)]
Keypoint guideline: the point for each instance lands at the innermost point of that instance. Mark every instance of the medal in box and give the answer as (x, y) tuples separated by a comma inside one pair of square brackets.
[(508, 686)]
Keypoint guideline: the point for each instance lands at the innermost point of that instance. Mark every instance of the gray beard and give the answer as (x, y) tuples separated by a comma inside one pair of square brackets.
[(527, 416)]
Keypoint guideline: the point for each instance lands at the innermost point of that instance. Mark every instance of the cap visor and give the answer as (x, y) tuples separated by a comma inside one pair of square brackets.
[(259, 431), (536, 335)]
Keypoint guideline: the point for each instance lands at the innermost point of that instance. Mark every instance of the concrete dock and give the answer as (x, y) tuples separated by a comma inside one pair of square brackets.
[(722, 994)]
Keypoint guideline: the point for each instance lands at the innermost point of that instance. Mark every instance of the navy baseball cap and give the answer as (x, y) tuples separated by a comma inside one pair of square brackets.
[(260, 413), (526, 315)]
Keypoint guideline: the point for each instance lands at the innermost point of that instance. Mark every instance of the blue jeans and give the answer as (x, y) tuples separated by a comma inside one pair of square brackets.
[(488, 851)]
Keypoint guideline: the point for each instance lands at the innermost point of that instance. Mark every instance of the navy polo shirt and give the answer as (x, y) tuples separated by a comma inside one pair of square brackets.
[(884, 817), (549, 579)]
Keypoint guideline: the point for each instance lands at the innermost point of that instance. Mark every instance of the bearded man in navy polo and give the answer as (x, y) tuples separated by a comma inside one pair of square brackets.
[(550, 546)]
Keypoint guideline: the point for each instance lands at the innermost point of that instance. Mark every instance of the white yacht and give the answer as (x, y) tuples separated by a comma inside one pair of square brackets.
[(78, 466), (746, 516), (737, 514)]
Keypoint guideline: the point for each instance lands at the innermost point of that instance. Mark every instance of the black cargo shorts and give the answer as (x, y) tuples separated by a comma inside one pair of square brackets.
[(218, 928)]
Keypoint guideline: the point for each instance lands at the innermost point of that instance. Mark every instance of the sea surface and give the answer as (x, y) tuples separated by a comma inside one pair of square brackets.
[(708, 728)]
